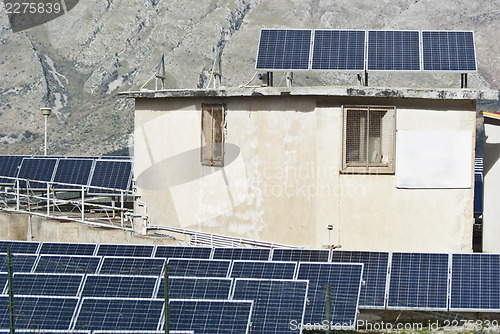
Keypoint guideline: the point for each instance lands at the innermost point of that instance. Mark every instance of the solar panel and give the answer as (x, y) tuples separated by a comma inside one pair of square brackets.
[(40, 169), (258, 254), (478, 192), (475, 282), (114, 174), (183, 252), (47, 284), (278, 304), (72, 171), (302, 255), (21, 263), (125, 250), (281, 49), (210, 316), (198, 267), (143, 266), (339, 50), (114, 286), (39, 312), (141, 332), (119, 314), (3, 281), (448, 51), (9, 166), (19, 247), (263, 269), (67, 264), (196, 288), (418, 281), (345, 284), (67, 248), (374, 275), (390, 50)]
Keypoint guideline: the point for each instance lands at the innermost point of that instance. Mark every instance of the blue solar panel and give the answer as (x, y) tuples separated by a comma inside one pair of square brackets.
[(339, 50), (281, 49), (40, 169), (258, 254), (20, 247), (475, 282), (278, 304), (198, 267), (345, 284), (114, 286), (67, 248), (393, 50), (302, 255), (9, 166), (143, 266), (125, 250), (72, 171), (114, 174), (374, 275), (47, 284), (39, 312), (183, 252), (67, 264), (478, 192), (263, 269), (21, 263), (196, 288), (3, 282), (210, 316), (419, 281), (119, 314), (448, 51)]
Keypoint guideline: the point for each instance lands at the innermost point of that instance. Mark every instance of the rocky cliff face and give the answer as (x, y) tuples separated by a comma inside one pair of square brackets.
[(78, 62)]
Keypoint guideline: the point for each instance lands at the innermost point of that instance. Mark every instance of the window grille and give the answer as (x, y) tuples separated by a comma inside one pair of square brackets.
[(212, 134)]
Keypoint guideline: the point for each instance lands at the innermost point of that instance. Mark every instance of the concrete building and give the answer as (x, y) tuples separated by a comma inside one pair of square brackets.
[(352, 167)]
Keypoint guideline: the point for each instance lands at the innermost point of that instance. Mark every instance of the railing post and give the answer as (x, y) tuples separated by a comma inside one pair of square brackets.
[(83, 204), (17, 195), (121, 207), (48, 199)]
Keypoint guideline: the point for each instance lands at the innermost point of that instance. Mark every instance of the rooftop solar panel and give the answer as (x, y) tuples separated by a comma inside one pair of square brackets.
[(119, 314), (475, 282), (210, 316), (390, 50), (448, 51), (375, 271), (40, 169), (281, 49), (67, 264), (47, 284), (19, 247), (9, 167), (114, 286), (141, 332), (143, 266), (183, 252), (345, 284), (3, 281), (39, 312), (21, 263), (72, 171), (198, 267), (278, 304), (125, 250), (263, 269), (67, 248), (196, 288), (258, 254), (113, 174), (418, 281), (302, 255), (339, 50)]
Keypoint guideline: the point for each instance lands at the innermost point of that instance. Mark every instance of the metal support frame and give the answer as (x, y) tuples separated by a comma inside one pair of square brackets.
[(463, 80)]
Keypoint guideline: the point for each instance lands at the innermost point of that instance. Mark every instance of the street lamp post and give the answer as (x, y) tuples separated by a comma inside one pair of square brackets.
[(45, 112)]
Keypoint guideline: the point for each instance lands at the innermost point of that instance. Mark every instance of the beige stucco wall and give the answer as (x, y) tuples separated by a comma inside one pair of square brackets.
[(281, 180)]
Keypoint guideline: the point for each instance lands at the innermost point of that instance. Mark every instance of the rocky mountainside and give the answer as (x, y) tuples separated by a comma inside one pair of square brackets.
[(77, 63)]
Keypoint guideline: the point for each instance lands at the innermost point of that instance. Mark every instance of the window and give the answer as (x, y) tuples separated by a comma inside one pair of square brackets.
[(368, 144), (212, 135)]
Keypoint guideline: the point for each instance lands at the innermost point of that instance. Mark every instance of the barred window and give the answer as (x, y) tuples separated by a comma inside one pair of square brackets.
[(212, 134), (368, 144)]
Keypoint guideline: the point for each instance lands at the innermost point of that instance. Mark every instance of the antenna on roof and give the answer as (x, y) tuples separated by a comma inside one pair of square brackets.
[(216, 72), (159, 74)]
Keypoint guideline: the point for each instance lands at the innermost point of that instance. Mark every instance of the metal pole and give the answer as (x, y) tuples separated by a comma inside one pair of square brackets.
[(11, 290), (328, 309), (167, 329), (45, 146)]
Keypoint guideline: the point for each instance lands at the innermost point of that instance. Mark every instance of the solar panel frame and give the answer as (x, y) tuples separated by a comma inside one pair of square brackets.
[(284, 49), (72, 171), (196, 288), (263, 269), (124, 265), (198, 267), (301, 255), (227, 253), (119, 286), (67, 248), (22, 263), (46, 284), (141, 332), (115, 174), (125, 250), (37, 169), (63, 264), (393, 50), (20, 247), (9, 167)]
